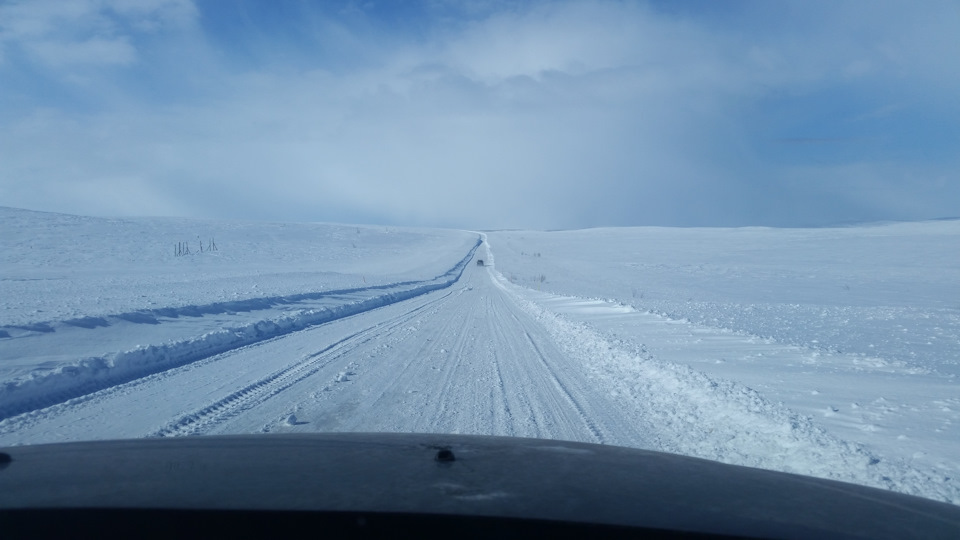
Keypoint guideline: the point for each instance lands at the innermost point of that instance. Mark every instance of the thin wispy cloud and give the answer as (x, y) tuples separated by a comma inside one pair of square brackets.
[(486, 114)]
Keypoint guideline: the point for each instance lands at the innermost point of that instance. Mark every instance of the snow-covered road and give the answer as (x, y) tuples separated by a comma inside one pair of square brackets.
[(399, 330), (465, 359)]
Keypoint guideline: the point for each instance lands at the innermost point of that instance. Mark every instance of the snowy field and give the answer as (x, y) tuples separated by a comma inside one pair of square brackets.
[(827, 352), (805, 350)]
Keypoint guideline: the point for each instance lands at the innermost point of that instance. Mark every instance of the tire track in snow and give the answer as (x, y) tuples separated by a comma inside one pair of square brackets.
[(571, 375), (568, 397), (486, 380), (261, 390), (102, 398), (446, 374), (452, 382), (536, 421), (397, 385), (501, 397), (94, 399), (552, 409)]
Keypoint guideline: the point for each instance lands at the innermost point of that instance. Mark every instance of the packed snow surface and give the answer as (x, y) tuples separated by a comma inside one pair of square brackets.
[(826, 352)]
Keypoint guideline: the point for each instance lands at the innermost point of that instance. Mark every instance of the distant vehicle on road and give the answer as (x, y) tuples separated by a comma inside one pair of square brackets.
[(479, 262)]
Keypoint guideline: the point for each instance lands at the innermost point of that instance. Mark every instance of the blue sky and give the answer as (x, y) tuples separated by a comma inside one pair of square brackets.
[(485, 113)]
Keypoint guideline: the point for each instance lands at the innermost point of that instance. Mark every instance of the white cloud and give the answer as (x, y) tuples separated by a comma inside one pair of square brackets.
[(61, 34), (563, 114)]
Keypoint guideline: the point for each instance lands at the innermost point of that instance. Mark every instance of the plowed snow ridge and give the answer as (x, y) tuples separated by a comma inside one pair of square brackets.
[(91, 374)]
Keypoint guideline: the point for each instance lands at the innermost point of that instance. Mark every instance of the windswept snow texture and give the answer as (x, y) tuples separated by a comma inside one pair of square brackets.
[(829, 352)]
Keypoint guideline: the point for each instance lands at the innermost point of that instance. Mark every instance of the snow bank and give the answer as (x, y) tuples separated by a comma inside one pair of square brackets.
[(49, 386), (698, 415)]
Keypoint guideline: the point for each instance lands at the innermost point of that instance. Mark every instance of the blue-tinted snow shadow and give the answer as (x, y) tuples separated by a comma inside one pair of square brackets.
[(87, 322), (138, 318), (35, 327)]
